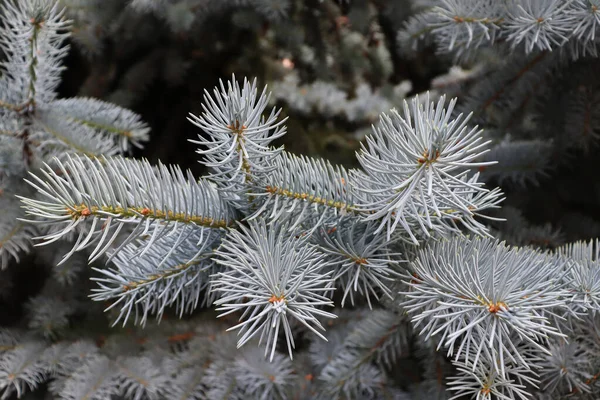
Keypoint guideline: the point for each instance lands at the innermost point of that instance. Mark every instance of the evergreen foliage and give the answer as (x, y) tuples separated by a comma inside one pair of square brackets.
[(347, 277)]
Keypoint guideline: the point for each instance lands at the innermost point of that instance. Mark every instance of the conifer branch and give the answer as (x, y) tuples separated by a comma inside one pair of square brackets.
[(106, 194)]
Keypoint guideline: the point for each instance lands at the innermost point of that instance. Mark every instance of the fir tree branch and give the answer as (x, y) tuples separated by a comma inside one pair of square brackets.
[(271, 276), (305, 191), (107, 194), (33, 34), (237, 147), (124, 126), (174, 271)]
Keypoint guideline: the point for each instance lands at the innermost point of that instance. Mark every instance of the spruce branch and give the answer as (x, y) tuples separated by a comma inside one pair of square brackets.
[(263, 379), (587, 13), (462, 25), (15, 236), (271, 276), (415, 34), (483, 382), (124, 127), (342, 380), (96, 379), (496, 100), (14, 239), (350, 371), (476, 293), (173, 271), (54, 134), (383, 335), (22, 368), (140, 378), (237, 147), (63, 358), (321, 353), (109, 193), (519, 162), (32, 35), (188, 384), (363, 262), (541, 25), (305, 226), (415, 167), (566, 369), (583, 278), (49, 315), (304, 191)]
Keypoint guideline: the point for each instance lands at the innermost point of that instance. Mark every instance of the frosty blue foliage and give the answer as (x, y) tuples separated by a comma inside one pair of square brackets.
[(587, 15), (125, 127), (278, 270), (15, 237), (330, 101), (565, 369), (543, 25), (141, 378), (345, 381), (181, 278), (33, 33), (49, 316), (383, 334), (96, 380), (305, 191), (477, 293), (271, 277), (415, 168), (362, 262), (59, 135), (238, 136), (22, 369), (107, 194), (35, 125), (482, 381), (275, 240), (461, 26), (584, 275), (263, 379)]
